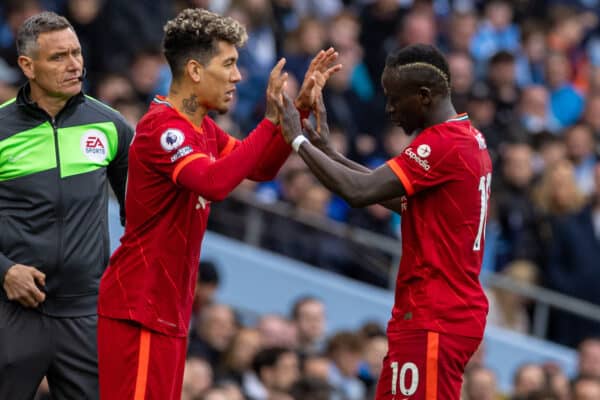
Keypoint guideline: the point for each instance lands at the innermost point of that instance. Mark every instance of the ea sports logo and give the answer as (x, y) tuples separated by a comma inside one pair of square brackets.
[(424, 150), (94, 145)]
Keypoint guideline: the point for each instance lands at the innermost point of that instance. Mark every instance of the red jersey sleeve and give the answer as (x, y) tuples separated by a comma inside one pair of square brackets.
[(169, 146), (225, 142), (428, 161)]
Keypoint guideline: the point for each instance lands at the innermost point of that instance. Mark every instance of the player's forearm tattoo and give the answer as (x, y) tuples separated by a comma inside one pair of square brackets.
[(190, 105)]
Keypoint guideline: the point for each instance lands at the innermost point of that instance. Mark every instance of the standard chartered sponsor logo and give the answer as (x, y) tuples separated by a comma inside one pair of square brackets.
[(423, 163)]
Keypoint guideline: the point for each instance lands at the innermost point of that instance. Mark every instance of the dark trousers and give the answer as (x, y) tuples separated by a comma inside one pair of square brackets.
[(33, 345)]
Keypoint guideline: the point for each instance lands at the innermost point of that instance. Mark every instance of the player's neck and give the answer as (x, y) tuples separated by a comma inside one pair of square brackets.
[(187, 103), (442, 113)]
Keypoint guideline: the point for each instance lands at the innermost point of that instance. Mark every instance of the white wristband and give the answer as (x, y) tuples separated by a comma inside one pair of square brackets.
[(297, 142)]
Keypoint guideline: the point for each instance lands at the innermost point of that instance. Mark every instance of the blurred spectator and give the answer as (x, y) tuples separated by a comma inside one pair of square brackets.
[(505, 91), (132, 110), (530, 58), (482, 112), (112, 87), (15, 13), (591, 115), (589, 357), (306, 41), (144, 73), (207, 284), (566, 102), (316, 366), (516, 214), (572, 267), (375, 349), (480, 384), (379, 21), (528, 378), (238, 356), (496, 32), (275, 369), (197, 378), (461, 29), (534, 110), (277, 331), (256, 58), (417, 27), (508, 309), (586, 388), (308, 314), (345, 350), (212, 333), (311, 389), (581, 150), (462, 73)]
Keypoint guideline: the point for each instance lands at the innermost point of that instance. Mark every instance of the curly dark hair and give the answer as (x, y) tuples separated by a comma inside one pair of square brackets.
[(195, 33), (421, 64)]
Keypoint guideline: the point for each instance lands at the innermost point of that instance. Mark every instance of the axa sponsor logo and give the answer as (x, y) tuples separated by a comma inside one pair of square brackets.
[(94, 145), (422, 163)]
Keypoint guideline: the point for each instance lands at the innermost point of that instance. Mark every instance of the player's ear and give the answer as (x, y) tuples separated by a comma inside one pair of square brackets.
[(26, 65), (425, 95), (194, 70)]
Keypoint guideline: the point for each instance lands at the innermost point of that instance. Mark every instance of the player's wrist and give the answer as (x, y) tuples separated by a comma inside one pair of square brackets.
[(298, 141)]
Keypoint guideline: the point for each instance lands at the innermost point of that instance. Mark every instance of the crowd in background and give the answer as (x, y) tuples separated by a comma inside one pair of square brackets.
[(526, 72)]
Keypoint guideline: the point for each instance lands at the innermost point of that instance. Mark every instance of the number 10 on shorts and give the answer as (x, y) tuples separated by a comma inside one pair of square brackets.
[(399, 378)]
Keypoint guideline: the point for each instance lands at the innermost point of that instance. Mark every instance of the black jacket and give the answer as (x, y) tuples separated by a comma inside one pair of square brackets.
[(54, 195)]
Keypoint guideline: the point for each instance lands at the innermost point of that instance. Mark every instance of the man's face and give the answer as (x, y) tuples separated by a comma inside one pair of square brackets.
[(285, 372), (57, 64), (218, 79), (403, 106), (311, 320)]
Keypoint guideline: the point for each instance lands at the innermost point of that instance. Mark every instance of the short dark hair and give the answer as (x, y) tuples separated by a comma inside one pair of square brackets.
[(268, 358), (207, 273), (426, 65), (195, 33), (309, 388), (300, 302), (33, 26)]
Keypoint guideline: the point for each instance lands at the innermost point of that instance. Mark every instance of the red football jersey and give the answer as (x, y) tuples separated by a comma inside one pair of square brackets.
[(446, 172), (151, 277)]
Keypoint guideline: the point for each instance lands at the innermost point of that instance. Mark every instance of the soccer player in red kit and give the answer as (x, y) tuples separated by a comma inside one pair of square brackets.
[(179, 162), (440, 183)]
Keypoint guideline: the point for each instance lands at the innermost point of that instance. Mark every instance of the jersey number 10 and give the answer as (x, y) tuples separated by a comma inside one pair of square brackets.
[(485, 183)]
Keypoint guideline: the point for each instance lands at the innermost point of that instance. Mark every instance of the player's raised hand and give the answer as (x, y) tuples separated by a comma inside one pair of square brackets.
[(289, 117), (277, 79), (319, 136), (21, 284), (319, 71)]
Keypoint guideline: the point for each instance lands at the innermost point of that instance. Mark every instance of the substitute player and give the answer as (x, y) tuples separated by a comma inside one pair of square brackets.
[(440, 183), (180, 161)]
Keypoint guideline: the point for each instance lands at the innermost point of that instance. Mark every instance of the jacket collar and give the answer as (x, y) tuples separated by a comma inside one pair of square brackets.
[(24, 100)]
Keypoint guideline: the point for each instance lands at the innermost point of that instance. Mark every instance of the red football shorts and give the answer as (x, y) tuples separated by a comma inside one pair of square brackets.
[(138, 364), (423, 365)]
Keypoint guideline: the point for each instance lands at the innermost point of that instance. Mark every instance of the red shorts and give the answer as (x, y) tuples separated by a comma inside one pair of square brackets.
[(135, 363), (422, 365)]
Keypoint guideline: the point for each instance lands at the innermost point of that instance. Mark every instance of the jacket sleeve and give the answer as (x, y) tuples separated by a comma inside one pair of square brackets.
[(5, 264), (117, 169)]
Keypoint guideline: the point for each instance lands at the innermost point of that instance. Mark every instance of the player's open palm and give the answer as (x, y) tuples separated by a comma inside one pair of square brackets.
[(21, 284), (319, 71), (277, 79)]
